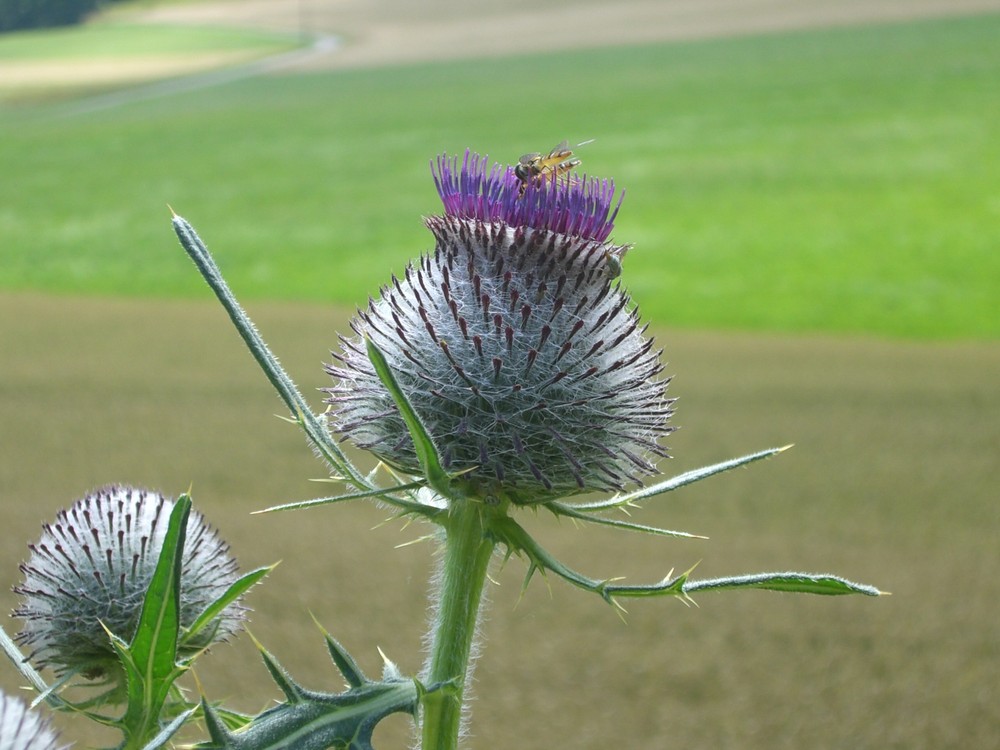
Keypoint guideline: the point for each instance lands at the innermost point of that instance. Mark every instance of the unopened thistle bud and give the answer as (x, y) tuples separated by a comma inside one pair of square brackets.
[(514, 342), (23, 729), (91, 569)]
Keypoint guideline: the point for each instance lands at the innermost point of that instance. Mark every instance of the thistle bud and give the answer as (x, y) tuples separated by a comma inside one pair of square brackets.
[(514, 341), (91, 569), (23, 729)]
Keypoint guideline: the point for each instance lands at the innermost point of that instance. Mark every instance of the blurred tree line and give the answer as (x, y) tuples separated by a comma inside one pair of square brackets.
[(32, 14)]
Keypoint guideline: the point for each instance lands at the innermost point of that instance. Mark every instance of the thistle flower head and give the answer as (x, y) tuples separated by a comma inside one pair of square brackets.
[(514, 342), (91, 569), (23, 729)]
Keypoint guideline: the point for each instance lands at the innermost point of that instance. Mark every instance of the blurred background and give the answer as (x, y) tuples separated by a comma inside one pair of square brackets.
[(813, 193)]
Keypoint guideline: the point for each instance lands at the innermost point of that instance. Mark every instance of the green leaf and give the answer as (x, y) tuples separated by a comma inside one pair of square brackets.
[(315, 430), (217, 731), (382, 494), (518, 541), (427, 452), (321, 722), (316, 721), (21, 664), (798, 583), (688, 477), (345, 662), (159, 742), (150, 660), (294, 693), (154, 645), (234, 592), (570, 511), (232, 720)]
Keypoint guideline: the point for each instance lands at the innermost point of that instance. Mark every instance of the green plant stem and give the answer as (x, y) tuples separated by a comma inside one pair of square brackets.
[(468, 549), (283, 384)]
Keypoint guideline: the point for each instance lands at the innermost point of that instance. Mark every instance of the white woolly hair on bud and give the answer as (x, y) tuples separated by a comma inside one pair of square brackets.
[(91, 568), (24, 729)]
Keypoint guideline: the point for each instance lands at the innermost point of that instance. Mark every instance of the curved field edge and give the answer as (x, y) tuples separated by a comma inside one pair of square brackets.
[(44, 64), (843, 181)]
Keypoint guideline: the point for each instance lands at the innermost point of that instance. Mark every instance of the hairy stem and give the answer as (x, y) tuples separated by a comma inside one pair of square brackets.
[(283, 384), (468, 548)]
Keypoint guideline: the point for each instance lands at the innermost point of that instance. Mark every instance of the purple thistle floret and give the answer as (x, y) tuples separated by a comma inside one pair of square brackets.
[(514, 342), (474, 189)]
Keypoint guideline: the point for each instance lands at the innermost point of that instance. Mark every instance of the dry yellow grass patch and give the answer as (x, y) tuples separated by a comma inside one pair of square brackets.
[(102, 71)]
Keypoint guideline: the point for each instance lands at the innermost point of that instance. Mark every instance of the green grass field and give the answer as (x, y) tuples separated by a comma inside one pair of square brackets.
[(129, 40), (839, 181)]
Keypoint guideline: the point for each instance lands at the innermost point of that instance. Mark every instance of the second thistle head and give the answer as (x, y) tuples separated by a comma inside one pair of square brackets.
[(514, 341), (91, 569)]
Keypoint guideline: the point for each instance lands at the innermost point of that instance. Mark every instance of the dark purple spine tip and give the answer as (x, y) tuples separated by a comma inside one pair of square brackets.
[(472, 188)]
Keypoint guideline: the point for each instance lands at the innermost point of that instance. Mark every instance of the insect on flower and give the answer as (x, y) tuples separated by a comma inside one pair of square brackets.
[(557, 162), (514, 343)]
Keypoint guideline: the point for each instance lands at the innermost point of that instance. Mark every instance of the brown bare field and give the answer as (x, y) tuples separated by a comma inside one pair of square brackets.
[(892, 481)]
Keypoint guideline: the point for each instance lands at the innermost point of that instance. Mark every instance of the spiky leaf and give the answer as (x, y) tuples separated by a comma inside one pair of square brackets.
[(309, 720), (427, 452), (796, 583), (212, 611), (150, 660)]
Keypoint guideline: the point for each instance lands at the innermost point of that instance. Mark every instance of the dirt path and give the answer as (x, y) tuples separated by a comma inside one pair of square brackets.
[(380, 32)]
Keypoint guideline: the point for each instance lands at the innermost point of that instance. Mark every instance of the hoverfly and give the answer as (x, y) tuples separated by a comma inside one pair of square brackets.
[(557, 162)]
